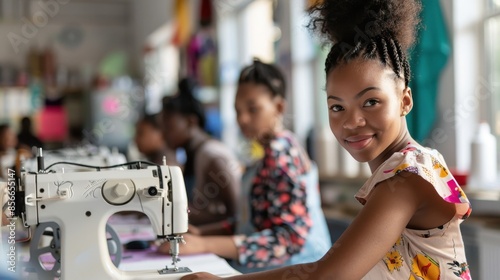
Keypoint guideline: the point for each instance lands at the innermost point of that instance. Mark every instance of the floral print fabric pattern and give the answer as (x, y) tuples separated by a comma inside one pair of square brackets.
[(436, 253), (278, 206)]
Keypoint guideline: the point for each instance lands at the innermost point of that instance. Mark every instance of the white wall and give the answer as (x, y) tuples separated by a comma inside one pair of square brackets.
[(103, 27), (461, 93), (240, 39), (147, 16), (303, 64), (443, 136)]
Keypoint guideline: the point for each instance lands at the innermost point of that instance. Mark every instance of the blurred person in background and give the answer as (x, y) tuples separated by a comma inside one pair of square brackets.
[(8, 153), (26, 136), (280, 218), (212, 173), (150, 143), (8, 140)]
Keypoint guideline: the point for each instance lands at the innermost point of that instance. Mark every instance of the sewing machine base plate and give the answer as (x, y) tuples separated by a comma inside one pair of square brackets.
[(172, 270)]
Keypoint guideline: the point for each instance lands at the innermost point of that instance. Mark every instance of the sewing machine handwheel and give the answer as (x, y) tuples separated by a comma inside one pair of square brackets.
[(45, 271), (52, 266), (114, 246)]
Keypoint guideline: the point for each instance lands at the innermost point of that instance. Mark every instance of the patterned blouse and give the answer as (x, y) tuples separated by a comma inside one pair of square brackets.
[(278, 206), (436, 253)]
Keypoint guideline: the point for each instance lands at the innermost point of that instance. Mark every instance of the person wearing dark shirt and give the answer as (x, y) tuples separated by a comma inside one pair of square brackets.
[(211, 172), (26, 136), (150, 142)]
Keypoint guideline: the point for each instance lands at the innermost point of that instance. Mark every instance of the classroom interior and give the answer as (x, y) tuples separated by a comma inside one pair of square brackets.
[(85, 71)]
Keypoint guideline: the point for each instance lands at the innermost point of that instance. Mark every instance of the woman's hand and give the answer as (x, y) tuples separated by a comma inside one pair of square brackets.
[(200, 275), (194, 245)]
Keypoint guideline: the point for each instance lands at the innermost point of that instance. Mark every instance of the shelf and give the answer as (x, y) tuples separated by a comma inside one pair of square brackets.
[(484, 202)]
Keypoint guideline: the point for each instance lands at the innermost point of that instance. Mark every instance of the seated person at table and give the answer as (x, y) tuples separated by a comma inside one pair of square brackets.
[(280, 221), (26, 136), (8, 140), (212, 173), (11, 153), (150, 142)]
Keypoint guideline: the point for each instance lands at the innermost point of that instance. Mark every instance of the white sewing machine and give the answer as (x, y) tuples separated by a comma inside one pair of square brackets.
[(82, 202), (86, 155)]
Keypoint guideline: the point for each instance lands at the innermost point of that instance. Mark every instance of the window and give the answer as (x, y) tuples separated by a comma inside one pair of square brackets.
[(494, 4), (492, 44)]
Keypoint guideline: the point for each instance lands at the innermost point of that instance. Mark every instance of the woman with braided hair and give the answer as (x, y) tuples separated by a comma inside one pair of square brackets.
[(280, 220), (409, 227)]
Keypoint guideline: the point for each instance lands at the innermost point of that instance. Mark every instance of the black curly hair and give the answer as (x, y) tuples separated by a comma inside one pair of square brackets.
[(371, 29), (184, 101), (265, 74), (151, 119)]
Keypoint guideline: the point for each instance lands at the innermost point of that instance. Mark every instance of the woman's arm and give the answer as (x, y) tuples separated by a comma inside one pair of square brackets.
[(374, 231), (391, 206), (282, 221), (224, 227), (222, 246)]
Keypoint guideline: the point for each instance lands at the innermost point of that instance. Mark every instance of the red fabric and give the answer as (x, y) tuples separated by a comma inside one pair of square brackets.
[(53, 124), (206, 11)]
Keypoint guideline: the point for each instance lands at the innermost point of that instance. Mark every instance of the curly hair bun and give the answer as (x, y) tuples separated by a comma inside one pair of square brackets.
[(352, 21)]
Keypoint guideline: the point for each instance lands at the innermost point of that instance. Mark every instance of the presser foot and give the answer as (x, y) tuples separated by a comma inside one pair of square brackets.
[(173, 270)]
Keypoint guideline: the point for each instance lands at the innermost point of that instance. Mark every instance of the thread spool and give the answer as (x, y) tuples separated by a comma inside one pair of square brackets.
[(483, 167)]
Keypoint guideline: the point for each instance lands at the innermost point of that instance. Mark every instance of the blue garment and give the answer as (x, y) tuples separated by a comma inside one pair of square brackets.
[(318, 240), (428, 59)]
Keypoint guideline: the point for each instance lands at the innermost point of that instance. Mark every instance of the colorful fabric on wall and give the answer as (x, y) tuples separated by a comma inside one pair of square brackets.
[(202, 58), (183, 22), (428, 59), (53, 126), (202, 49)]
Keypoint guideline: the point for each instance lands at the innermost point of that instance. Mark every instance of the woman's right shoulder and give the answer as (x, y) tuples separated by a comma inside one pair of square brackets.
[(417, 166), (216, 154), (214, 147)]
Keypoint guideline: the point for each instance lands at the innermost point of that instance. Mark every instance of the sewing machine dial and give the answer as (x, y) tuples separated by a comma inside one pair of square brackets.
[(118, 191)]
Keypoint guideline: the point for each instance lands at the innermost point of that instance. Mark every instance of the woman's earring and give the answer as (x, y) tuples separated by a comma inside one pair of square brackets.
[(403, 114)]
